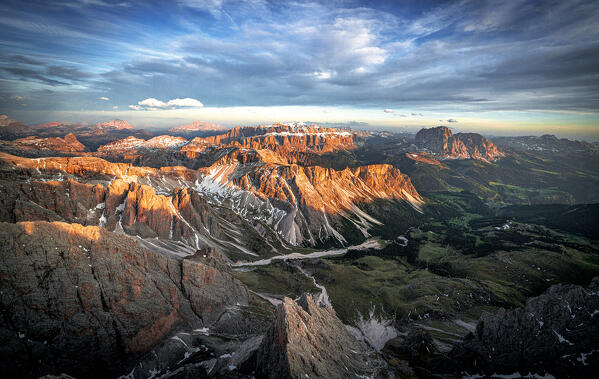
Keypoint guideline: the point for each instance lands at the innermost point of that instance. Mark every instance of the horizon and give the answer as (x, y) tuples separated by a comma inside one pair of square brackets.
[(352, 125), (523, 69)]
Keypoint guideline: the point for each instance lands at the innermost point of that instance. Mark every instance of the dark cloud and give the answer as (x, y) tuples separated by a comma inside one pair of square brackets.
[(33, 75), (25, 60), (451, 120)]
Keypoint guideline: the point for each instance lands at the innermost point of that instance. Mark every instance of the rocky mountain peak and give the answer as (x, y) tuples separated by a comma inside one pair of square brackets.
[(304, 329), (67, 144), (196, 126), (116, 124), (441, 141)]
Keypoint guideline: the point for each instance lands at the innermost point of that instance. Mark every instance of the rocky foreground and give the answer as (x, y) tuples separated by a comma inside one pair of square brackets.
[(88, 302)]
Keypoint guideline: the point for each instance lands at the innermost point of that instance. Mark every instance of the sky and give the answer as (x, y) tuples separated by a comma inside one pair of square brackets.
[(495, 67)]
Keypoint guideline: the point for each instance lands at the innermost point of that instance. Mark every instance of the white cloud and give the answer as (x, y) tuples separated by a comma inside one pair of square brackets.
[(152, 104), (187, 102), (322, 75), (104, 98), (115, 107), (388, 111)]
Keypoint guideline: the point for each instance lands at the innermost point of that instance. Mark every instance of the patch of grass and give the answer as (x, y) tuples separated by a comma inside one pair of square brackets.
[(277, 278)]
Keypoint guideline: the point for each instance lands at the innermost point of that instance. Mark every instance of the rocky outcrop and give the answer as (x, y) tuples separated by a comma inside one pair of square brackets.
[(309, 341), (115, 124), (479, 147), (308, 205), (87, 302), (68, 144), (442, 142), (556, 333)]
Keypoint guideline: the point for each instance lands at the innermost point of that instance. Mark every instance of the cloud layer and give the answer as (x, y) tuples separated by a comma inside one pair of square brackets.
[(458, 56)]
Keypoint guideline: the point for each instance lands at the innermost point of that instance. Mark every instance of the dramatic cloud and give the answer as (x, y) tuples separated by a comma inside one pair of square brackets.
[(457, 57), (155, 104)]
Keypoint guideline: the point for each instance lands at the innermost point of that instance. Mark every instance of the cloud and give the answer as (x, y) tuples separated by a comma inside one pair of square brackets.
[(104, 98), (452, 120), (388, 111), (152, 104), (186, 102), (115, 107), (417, 114), (461, 56)]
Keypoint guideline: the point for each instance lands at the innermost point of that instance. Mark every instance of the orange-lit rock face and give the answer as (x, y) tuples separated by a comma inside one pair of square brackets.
[(326, 188), (441, 141), (305, 205), (284, 138)]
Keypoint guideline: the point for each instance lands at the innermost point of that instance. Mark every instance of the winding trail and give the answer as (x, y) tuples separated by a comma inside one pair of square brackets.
[(368, 244)]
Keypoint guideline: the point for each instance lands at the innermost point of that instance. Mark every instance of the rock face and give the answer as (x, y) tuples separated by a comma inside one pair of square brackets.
[(177, 214), (284, 138), (556, 333), (87, 301), (307, 205), (441, 141), (304, 205), (309, 341)]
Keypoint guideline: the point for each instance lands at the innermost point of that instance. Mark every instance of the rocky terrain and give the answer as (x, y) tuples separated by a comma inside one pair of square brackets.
[(89, 301), (303, 329), (68, 144), (554, 333), (293, 250)]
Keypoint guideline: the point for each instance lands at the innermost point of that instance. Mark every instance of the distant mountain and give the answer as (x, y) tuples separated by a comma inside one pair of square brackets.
[(547, 143), (131, 143), (67, 144), (285, 138), (5, 121), (116, 124), (196, 126), (442, 142)]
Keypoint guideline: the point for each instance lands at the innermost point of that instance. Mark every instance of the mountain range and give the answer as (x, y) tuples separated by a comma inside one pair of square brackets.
[(294, 250)]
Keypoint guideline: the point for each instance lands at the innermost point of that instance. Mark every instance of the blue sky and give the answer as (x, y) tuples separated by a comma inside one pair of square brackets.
[(499, 67)]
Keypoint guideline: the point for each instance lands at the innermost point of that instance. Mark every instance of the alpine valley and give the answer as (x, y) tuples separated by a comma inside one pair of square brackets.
[(295, 251)]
